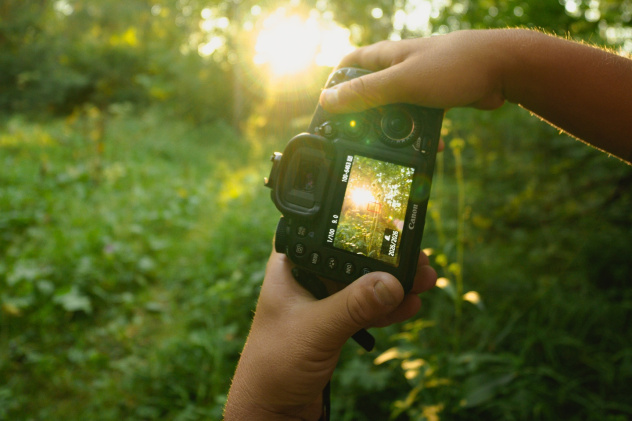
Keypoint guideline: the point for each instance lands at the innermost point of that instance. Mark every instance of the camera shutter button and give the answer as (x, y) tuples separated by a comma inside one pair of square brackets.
[(336, 78)]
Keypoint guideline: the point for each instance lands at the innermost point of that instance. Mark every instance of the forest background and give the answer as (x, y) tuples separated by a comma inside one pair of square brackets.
[(134, 226)]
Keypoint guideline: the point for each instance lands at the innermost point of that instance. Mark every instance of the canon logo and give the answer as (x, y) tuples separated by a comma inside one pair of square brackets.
[(413, 217)]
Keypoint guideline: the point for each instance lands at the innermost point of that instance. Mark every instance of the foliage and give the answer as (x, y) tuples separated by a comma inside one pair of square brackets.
[(134, 229), (58, 56), (540, 335), (120, 281)]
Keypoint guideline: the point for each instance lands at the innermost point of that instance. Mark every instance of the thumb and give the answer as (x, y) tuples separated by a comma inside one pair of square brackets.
[(361, 304)]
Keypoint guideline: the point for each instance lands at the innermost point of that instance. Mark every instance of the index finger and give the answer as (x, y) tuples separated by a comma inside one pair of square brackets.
[(372, 90), (426, 276)]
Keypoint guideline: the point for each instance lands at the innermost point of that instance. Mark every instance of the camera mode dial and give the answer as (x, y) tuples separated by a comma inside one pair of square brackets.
[(398, 127)]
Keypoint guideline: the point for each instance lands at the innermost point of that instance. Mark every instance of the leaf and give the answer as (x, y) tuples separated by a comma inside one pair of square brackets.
[(390, 354), (483, 387), (474, 298), (73, 300)]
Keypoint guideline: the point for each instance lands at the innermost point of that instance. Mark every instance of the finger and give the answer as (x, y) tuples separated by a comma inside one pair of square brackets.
[(279, 283), (369, 91), (425, 279), (423, 259), (361, 304), (374, 57), (407, 309)]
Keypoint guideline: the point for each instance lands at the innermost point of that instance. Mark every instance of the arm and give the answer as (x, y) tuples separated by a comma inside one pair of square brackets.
[(583, 90), (295, 340)]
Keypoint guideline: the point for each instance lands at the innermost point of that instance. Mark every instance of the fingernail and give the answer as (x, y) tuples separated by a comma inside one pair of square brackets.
[(384, 294), (330, 96)]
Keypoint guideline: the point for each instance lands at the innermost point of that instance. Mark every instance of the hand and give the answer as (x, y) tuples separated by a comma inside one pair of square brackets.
[(295, 340), (458, 69), (580, 89)]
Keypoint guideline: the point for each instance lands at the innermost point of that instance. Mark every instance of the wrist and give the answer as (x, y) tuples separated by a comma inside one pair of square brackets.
[(516, 57), (266, 403), (238, 411)]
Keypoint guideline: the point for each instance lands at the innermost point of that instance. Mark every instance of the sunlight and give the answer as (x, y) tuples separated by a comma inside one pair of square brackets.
[(415, 17), (291, 44), (63, 7), (361, 197)]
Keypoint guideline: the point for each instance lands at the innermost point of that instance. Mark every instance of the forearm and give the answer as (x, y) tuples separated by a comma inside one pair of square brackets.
[(583, 90)]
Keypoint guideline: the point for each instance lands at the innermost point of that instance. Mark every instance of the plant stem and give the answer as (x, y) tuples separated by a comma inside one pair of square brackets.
[(457, 146)]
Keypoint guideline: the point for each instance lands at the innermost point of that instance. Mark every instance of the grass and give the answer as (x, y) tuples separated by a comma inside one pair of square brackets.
[(126, 271), (131, 259)]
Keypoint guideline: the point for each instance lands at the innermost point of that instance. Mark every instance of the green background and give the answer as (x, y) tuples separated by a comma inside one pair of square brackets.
[(134, 227)]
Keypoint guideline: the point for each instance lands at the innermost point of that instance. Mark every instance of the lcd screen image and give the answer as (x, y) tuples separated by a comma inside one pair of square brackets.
[(374, 209)]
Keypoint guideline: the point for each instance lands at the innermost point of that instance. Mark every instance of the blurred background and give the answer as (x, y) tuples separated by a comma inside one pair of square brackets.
[(134, 226)]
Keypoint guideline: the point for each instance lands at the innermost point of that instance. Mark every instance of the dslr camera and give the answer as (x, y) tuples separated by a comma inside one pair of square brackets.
[(353, 189)]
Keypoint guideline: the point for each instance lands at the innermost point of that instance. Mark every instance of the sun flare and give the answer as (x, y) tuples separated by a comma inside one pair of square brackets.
[(361, 197), (290, 44)]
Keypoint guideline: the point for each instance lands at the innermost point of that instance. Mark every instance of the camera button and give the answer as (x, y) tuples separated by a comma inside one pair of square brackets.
[(299, 249), (301, 231), (349, 268), (332, 263), (337, 77), (364, 271), (425, 147), (417, 145), (314, 258), (327, 130)]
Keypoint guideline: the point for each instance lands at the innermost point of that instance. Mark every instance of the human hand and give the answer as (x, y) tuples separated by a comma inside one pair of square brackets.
[(578, 88), (462, 68), (295, 340)]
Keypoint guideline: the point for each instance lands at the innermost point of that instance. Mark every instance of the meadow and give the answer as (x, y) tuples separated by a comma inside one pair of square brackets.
[(135, 227), (132, 258)]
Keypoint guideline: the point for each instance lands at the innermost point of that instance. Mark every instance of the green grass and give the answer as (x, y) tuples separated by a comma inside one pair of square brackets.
[(130, 262), (129, 275)]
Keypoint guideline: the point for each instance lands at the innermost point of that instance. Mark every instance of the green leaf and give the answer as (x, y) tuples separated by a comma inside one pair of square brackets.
[(73, 300), (483, 387)]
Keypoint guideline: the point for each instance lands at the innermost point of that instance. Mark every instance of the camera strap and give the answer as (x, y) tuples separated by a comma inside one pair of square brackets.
[(317, 288)]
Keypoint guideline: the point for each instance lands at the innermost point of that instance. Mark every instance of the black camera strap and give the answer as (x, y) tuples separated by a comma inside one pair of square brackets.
[(317, 288)]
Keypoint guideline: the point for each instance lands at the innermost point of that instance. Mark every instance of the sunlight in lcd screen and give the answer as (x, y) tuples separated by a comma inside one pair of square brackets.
[(361, 197), (374, 209)]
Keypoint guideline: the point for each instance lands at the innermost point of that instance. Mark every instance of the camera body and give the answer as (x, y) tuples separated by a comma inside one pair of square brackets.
[(354, 189)]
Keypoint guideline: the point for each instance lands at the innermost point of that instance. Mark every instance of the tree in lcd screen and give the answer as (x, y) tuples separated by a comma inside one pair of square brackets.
[(374, 209)]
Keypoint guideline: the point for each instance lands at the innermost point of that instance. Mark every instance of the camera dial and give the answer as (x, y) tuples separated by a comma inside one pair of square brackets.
[(281, 236), (399, 127)]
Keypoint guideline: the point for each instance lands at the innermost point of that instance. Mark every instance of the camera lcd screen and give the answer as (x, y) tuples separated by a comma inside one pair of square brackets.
[(371, 220)]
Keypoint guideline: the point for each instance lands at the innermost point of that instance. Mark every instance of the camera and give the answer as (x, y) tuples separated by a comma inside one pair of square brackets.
[(353, 190)]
